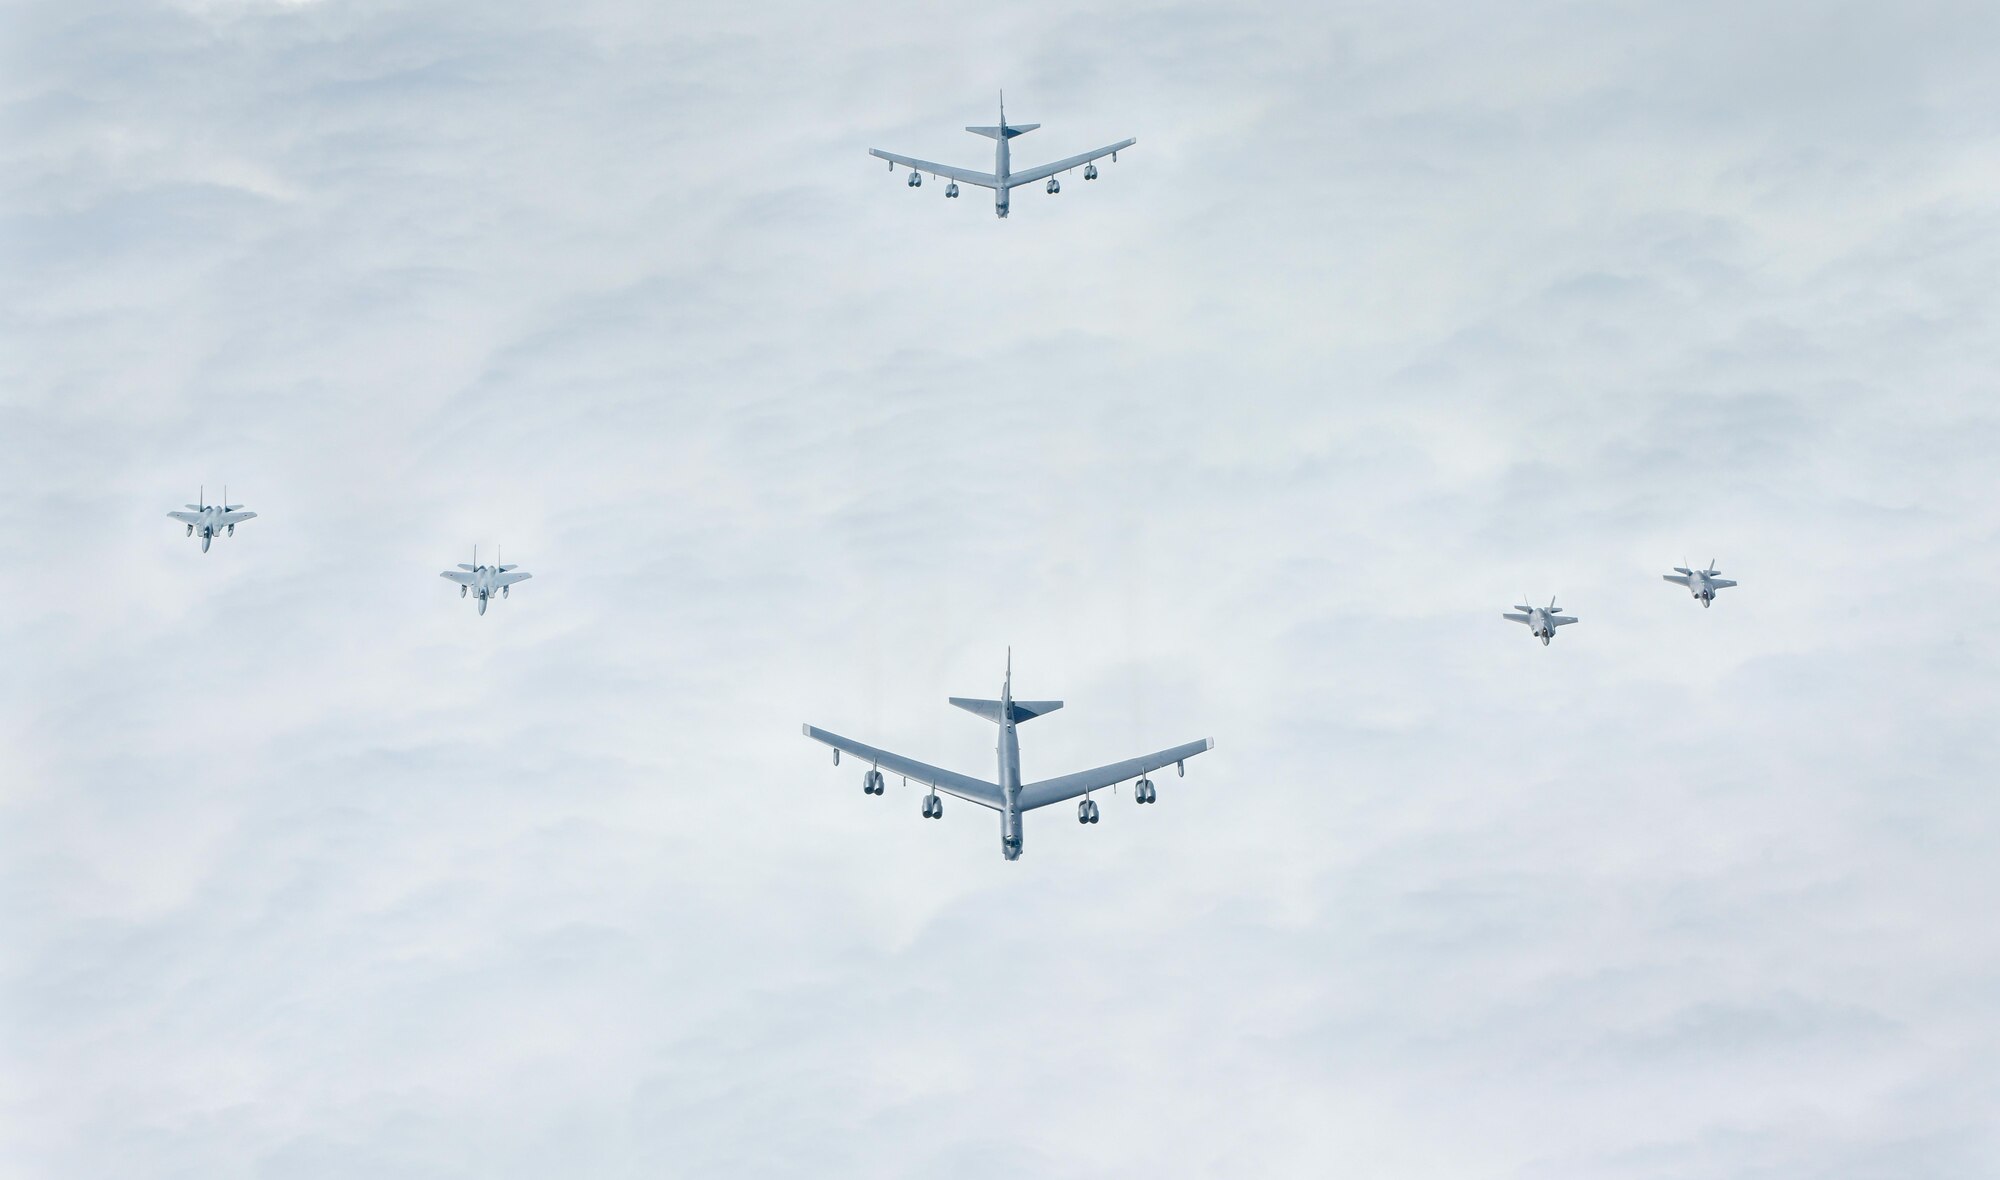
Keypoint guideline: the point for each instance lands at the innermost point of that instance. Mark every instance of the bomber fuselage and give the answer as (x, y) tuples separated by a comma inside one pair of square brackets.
[(1009, 753)]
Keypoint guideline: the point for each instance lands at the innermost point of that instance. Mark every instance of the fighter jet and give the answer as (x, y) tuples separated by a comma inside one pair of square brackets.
[(210, 519), (1010, 796), (485, 580), (1542, 621), (1701, 583), (1002, 179)]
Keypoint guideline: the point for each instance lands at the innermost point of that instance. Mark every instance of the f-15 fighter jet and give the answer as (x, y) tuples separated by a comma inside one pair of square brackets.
[(485, 580), (1002, 178), (1542, 621), (210, 519), (1010, 796), (1701, 583)]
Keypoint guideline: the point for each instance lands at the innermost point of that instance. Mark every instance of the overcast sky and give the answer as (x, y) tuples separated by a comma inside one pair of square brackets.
[(1397, 312)]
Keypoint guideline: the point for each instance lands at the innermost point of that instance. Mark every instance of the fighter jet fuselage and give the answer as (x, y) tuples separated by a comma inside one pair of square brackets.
[(1542, 621), (1702, 584), (485, 581), (209, 521)]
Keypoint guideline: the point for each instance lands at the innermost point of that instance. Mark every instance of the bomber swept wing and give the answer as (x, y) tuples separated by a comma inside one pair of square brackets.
[(961, 175), (963, 786), (1047, 170), (1069, 786)]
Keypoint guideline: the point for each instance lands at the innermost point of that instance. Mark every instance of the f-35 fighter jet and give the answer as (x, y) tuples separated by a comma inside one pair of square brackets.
[(485, 580), (1002, 179), (1542, 621), (210, 519), (1701, 583), (1010, 796)]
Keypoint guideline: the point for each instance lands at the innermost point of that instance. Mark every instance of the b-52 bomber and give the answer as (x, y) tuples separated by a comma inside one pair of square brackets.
[(1701, 583), (1542, 621), (1002, 178), (210, 519), (485, 580), (1010, 796)]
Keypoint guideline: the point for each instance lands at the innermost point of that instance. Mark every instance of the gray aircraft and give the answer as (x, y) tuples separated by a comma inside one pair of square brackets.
[(210, 519), (485, 580), (1542, 621), (1701, 583), (1010, 796), (1002, 179)]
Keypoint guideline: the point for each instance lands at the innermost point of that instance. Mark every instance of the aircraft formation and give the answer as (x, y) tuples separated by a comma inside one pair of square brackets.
[(1006, 795)]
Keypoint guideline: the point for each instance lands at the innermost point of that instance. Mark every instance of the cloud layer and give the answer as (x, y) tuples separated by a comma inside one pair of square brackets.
[(1394, 314)]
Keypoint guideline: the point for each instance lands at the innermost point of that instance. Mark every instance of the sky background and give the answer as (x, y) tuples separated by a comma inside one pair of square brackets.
[(1397, 312)]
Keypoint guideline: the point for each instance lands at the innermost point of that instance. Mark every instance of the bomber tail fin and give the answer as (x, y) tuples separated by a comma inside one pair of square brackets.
[(1004, 130)]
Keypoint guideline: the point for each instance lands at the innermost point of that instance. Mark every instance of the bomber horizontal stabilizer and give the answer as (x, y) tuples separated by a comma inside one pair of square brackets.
[(1023, 710), (1011, 130)]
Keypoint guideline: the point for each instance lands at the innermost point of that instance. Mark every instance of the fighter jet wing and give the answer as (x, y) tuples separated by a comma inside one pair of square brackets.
[(186, 517), (1720, 583), (1047, 170), (962, 786), (961, 175), (460, 576), (508, 579), (1069, 786), (1519, 618), (1562, 620), (1676, 579), (234, 517)]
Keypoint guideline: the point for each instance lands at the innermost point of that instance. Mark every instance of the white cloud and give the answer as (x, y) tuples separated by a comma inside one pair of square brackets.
[(1392, 315)]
